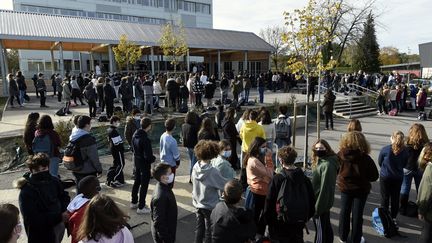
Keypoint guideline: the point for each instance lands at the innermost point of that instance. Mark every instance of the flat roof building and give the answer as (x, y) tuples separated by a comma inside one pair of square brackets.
[(425, 51)]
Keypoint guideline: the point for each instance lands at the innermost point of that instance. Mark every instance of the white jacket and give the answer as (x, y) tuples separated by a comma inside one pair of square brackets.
[(157, 88)]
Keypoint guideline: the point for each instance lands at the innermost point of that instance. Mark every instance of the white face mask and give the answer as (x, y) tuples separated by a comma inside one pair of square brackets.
[(117, 124), (170, 178), (138, 117)]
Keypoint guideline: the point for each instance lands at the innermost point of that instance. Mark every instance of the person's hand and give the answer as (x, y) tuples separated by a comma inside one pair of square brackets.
[(99, 174), (421, 217)]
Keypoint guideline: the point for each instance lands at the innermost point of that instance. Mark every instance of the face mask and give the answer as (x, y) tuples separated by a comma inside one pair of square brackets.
[(226, 153), (138, 117), (117, 124), (320, 153), (170, 178), (263, 151)]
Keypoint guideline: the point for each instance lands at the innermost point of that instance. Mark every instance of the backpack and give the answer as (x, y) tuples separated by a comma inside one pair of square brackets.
[(43, 144), (283, 128), (293, 204), (72, 158), (61, 112), (383, 223)]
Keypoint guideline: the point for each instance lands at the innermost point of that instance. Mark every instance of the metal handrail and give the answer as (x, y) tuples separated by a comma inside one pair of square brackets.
[(361, 88), (344, 98)]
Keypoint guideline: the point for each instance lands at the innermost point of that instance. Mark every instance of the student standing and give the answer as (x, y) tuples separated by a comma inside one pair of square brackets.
[(168, 148), (115, 177), (207, 182), (392, 159), (327, 106), (325, 166), (249, 131), (91, 96), (67, 95), (42, 202), (143, 158), (109, 95), (230, 133), (190, 137), (11, 227), (163, 206), (29, 131), (41, 90), (356, 173), (424, 197), (221, 162)]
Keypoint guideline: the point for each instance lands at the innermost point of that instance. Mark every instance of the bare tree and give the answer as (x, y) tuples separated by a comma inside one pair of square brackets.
[(273, 35)]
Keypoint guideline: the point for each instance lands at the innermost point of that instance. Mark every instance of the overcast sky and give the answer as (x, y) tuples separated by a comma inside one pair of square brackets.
[(403, 24)]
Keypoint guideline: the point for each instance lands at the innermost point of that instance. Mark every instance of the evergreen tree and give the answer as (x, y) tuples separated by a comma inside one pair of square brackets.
[(366, 57)]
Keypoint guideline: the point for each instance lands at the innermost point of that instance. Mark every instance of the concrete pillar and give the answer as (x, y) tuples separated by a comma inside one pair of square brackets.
[(152, 60), (245, 64), (100, 61), (111, 59), (158, 63), (187, 61), (81, 62), (52, 62), (210, 71), (62, 71), (219, 64), (269, 62), (6, 62), (3, 70), (92, 66)]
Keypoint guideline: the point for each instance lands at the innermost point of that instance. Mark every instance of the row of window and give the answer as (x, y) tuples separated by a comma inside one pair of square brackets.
[(89, 14), (175, 5)]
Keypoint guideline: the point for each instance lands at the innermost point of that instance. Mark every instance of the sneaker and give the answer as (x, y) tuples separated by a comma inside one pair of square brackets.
[(144, 210), (133, 206), (116, 184), (111, 184), (341, 241), (362, 240), (395, 222)]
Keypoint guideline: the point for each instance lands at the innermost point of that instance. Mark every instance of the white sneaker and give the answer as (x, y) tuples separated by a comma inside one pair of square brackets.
[(133, 205), (144, 210), (341, 241), (362, 240)]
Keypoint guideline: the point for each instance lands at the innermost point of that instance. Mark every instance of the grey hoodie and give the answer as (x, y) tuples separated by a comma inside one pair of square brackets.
[(206, 181), (89, 152)]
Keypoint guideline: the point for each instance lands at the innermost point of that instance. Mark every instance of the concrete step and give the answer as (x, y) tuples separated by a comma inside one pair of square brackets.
[(347, 106), (372, 113), (354, 108), (355, 112)]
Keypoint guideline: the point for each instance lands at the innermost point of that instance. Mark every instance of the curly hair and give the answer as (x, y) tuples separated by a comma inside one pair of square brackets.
[(206, 150), (354, 141), (417, 136), (398, 143), (425, 156), (287, 154)]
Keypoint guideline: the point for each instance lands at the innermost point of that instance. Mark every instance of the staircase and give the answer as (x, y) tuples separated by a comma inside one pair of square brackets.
[(352, 107)]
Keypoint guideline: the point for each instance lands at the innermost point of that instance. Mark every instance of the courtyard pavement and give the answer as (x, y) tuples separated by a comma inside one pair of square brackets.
[(377, 130)]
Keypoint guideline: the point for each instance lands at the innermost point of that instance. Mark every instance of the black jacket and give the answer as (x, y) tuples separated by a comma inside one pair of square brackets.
[(173, 88), (328, 103), (224, 84), (143, 152), (209, 90), (90, 93), (229, 130), (276, 227), (163, 214), (42, 201), (412, 163), (109, 93), (115, 140), (189, 135), (231, 224), (126, 91), (204, 135), (100, 90), (21, 82)]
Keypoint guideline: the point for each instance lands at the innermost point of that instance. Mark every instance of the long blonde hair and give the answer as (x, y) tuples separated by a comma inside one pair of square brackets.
[(397, 142), (354, 141), (417, 136), (425, 156)]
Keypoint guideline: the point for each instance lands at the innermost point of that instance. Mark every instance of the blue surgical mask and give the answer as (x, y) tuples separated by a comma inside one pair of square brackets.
[(263, 151), (226, 153)]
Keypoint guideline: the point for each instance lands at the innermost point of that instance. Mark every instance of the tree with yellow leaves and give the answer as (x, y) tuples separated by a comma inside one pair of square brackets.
[(307, 34), (173, 43), (126, 52)]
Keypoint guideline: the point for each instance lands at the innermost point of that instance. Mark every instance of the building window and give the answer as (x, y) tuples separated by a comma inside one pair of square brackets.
[(203, 8)]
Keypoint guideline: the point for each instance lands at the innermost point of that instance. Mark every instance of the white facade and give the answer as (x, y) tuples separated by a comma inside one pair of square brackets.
[(191, 13)]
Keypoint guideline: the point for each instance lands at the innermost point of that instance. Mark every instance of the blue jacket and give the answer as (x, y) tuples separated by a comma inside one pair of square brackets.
[(392, 165)]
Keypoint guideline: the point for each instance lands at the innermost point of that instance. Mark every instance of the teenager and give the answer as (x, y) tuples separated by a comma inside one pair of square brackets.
[(143, 158), (89, 187), (115, 177), (67, 94), (354, 125), (13, 90), (231, 134), (163, 206), (132, 124), (29, 131), (91, 96), (109, 95), (207, 182), (327, 106), (281, 229), (416, 139), (259, 172), (10, 226), (325, 166), (42, 202), (250, 131), (424, 197), (231, 223), (41, 89), (190, 137), (103, 221), (356, 173), (208, 131), (168, 148), (392, 159), (221, 161)]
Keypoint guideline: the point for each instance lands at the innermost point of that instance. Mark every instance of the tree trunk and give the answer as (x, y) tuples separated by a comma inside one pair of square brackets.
[(305, 151)]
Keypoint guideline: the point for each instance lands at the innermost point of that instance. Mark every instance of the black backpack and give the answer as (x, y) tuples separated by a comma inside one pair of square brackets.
[(293, 203), (72, 158)]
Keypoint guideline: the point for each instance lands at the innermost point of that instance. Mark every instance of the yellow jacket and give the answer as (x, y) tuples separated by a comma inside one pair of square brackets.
[(248, 132)]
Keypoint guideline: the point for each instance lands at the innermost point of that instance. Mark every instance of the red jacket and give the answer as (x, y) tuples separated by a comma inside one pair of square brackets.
[(75, 220)]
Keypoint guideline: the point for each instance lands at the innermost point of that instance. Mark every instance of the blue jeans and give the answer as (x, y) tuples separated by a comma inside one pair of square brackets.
[(246, 95), (261, 94), (351, 203), (21, 96), (192, 158), (409, 175), (54, 166)]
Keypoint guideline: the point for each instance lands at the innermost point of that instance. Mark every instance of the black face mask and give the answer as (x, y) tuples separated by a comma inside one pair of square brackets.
[(320, 153)]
